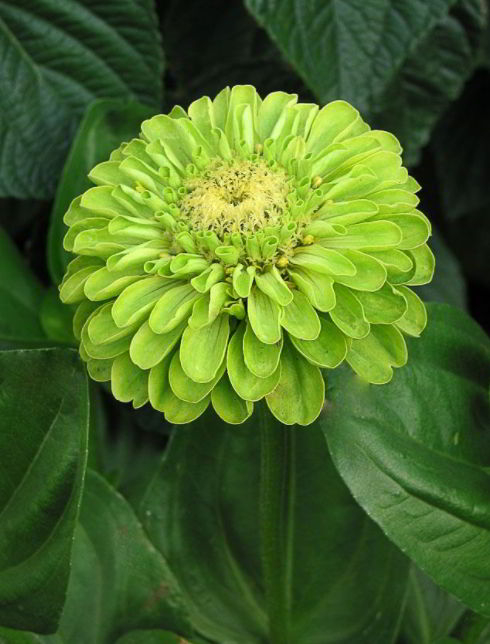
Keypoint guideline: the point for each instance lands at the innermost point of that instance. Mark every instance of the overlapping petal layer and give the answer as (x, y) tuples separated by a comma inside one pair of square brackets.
[(233, 251)]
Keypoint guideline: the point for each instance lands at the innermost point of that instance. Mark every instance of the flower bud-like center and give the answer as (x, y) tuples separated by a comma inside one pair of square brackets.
[(236, 197)]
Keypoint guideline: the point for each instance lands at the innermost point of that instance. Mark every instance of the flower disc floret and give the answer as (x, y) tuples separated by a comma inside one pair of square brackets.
[(233, 251)]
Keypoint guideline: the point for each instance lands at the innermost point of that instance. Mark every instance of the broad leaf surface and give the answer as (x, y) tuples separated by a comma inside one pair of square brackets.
[(105, 125), (448, 284), (43, 443), (375, 53), (416, 452), (57, 57), (430, 612), (345, 581), (20, 297), (118, 577)]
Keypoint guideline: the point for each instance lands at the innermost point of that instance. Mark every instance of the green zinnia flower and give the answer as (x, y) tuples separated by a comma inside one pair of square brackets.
[(231, 252)]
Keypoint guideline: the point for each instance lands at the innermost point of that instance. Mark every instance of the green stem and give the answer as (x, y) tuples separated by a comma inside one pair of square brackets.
[(274, 474)]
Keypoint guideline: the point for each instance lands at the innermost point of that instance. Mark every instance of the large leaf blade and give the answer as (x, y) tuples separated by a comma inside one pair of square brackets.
[(415, 453), (56, 59), (43, 442), (345, 582)]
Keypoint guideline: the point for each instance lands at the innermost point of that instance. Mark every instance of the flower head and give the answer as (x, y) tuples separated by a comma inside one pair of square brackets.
[(231, 252)]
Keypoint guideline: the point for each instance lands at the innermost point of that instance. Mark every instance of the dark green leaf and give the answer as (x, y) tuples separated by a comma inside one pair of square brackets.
[(448, 284), (106, 124), (416, 452), (118, 577), (56, 318), (57, 57), (20, 297), (150, 637), (430, 612), (43, 443), (399, 62), (345, 581)]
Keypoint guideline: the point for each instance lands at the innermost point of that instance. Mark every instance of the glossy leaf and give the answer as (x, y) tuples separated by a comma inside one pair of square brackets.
[(20, 297), (43, 442), (129, 588), (430, 612), (105, 125), (345, 580), (416, 452), (57, 58), (374, 54)]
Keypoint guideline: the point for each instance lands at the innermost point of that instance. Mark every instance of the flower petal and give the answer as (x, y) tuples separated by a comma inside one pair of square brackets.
[(348, 314), (318, 288), (137, 300), (299, 396), (247, 385), (129, 382), (300, 318), (185, 388), (371, 273), (373, 357), (382, 307), (424, 261), (271, 283), (327, 350), (148, 348), (262, 359), (414, 320), (174, 306), (228, 404), (202, 350), (265, 316)]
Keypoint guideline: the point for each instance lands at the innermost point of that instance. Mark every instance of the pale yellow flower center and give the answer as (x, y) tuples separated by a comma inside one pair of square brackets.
[(239, 196)]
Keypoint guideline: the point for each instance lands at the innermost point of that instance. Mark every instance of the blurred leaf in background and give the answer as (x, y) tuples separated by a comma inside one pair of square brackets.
[(57, 57)]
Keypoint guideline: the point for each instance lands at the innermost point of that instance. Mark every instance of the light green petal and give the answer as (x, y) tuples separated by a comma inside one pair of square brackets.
[(228, 404), (333, 123), (299, 396), (424, 261), (179, 412), (398, 264), (371, 273), (201, 113), (135, 257), (271, 284), (415, 228), (271, 110), (90, 223), (260, 358), (103, 284), (323, 260), (415, 319), (373, 357), (327, 350), (100, 370), (84, 311), (370, 235), (387, 166), (265, 317), (382, 307), (158, 383), (147, 348), (137, 300), (174, 306), (348, 313), (243, 279), (108, 349), (300, 318), (100, 201), (356, 186), (72, 286), (185, 388), (247, 385), (102, 329), (208, 278), (108, 174), (402, 200), (318, 288), (202, 350), (129, 382), (347, 212)]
